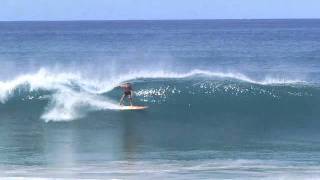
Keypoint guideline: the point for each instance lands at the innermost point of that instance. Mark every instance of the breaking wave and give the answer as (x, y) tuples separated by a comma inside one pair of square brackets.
[(69, 96)]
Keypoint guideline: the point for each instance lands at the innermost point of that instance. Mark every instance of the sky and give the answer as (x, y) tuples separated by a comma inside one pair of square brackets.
[(20, 10)]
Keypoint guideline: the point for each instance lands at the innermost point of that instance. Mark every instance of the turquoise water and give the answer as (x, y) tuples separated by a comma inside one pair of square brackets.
[(228, 99)]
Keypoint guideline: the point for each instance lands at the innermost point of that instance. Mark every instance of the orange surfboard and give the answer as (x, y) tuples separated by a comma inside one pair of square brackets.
[(133, 107)]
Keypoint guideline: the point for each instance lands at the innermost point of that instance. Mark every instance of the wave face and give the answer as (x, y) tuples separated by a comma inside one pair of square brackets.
[(198, 93), (230, 102)]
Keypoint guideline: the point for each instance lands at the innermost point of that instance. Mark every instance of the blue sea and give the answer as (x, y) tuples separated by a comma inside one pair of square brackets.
[(228, 99)]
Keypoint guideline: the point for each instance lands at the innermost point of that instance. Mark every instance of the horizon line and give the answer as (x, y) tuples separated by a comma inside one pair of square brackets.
[(204, 19)]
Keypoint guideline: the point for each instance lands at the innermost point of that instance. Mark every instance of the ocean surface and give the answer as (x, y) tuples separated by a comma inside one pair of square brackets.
[(228, 99)]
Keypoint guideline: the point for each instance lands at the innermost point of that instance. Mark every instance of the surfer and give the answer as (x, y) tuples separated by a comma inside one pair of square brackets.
[(127, 92)]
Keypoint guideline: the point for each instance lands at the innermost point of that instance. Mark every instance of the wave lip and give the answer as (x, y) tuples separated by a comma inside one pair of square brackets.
[(242, 77), (115, 81)]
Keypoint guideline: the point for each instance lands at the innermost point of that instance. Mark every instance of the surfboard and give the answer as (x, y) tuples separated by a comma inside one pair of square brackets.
[(133, 107)]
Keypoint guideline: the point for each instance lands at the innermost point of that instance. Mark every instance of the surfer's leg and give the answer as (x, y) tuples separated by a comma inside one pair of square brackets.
[(121, 100), (130, 99)]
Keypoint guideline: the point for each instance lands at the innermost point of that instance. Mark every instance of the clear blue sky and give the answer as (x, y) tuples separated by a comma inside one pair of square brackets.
[(156, 9)]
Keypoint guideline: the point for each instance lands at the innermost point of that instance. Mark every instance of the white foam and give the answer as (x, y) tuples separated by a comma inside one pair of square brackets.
[(67, 105), (65, 102)]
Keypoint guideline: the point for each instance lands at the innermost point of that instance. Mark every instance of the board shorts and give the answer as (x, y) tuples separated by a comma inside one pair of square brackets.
[(127, 93)]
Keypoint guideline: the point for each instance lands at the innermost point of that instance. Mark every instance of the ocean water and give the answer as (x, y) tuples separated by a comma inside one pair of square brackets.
[(228, 99)]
